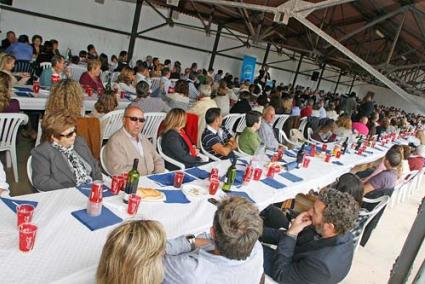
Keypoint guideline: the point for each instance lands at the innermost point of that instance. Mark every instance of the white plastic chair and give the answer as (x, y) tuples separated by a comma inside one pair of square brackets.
[(46, 65), (178, 164), (152, 123), (102, 162), (241, 153), (155, 84), (230, 120), (382, 202), (39, 132), (242, 124), (111, 122), (303, 124), (29, 169), (281, 121), (209, 155), (9, 125)]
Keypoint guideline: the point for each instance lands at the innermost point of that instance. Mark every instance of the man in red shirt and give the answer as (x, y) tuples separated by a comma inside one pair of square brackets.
[(417, 161), (308, 109)]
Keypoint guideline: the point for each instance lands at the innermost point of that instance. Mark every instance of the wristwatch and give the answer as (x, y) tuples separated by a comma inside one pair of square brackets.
[(191, 240)]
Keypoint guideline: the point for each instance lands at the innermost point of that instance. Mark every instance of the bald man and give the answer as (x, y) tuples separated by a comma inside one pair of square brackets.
[(266, 131), (127, 144)]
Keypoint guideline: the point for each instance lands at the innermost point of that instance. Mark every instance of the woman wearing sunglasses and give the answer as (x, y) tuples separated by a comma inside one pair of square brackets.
[(63, 160)]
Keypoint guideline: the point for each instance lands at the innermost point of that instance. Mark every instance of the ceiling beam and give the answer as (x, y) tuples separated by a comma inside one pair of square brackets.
[(400, 27)]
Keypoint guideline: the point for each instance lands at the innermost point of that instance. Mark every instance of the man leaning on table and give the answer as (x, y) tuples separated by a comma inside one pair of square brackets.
[(235, 255), (127, 144), (318, 246)]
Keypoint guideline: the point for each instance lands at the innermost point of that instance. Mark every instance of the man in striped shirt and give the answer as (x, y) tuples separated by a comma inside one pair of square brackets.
[(215, 139)]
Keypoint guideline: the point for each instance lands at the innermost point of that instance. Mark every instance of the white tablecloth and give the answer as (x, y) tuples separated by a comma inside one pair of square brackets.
[(38, 101), (68, 252)]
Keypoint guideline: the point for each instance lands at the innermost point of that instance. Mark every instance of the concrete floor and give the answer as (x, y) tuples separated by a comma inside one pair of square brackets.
[(372, 264)]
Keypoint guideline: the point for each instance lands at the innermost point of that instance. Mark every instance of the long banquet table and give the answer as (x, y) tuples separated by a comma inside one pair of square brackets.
[(31, 101), (68, 252)]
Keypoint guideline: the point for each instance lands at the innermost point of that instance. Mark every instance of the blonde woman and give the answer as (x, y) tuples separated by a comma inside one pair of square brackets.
[(107, 102), (66, 95), (133, 254), (126, 80), (344, 128), (7, 63), (175, 142), (7, 104)]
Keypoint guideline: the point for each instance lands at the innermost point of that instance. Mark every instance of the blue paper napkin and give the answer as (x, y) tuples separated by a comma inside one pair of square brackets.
[(337, 163), (12, 203), (291, 165), (290, 154), (379, 149), (368, 152), (243, 162), (273, 183), (197, 172), (23, 94), (175, 196), (167, 179), (291, 177), (241, 194), (105, 219), (23, 89), (86, 190)]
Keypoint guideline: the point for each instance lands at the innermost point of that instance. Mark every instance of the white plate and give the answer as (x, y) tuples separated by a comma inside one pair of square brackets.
[(160, 199), (192, 190)]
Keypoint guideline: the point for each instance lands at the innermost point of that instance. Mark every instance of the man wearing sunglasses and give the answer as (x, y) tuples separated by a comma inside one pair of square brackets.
[(127, 144)]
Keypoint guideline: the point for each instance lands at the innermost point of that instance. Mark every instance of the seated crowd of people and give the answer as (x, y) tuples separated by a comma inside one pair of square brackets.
[(315, 246)]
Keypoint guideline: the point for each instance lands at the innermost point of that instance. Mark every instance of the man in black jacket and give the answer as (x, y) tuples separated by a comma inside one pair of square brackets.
[(317, 247)]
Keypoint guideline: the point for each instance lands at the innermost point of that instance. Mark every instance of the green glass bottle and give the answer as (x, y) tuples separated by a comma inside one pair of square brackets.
[(230, 177), (132, 181)]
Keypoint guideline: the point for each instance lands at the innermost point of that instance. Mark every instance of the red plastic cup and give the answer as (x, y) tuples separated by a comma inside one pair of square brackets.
[(178, 179), (36, 87), (338, 154), (27, 233), (328, 158), (313, 150), (324, 147), (124, 180), (306, 162), (122, 94), (271, 171), (275, 157), (24, 213), (133, 204), (247, 175), (89, 91), (116, 185), (213, 173), (214, 184), (257, 173), (55, 78)]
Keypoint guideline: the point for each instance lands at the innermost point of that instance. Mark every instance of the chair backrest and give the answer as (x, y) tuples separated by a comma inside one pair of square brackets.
[(23, 66), (230, 120), (29, 169), (111, 122), (303, 124), (181, 166), (276, 118), (309, 133), (102, 162), (209, 155), (9, 125), (380, 202), (46, 65), (281, 121), (152, 123), (155, 84), (39, 133), (241, 124)]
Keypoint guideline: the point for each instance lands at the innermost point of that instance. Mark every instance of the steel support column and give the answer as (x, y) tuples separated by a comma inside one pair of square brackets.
[(321, 75), (298, 70), (134, 28), (337, 82), (214, 51), (414, 240), (266, 55), (352, 84)]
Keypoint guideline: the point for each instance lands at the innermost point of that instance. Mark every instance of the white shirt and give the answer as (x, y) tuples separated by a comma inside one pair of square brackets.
[(137, 143)]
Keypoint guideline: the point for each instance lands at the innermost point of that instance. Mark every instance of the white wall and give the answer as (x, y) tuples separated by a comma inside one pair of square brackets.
[(118, 15)]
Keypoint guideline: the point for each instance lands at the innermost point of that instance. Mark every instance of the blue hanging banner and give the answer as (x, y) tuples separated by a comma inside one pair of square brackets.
[(248, 68)]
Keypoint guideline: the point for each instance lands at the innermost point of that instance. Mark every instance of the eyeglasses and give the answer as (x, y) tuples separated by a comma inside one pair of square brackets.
[(69, 135), (134, 119)]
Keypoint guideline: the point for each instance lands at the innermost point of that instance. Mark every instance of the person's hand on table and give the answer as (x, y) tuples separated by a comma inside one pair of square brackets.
[(299, 223)]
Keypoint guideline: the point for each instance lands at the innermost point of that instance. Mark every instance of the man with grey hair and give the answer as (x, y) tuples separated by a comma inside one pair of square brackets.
[(127, 144), (58, 67), (200, 108), (233, 255), (318, 246), (266, 131)]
